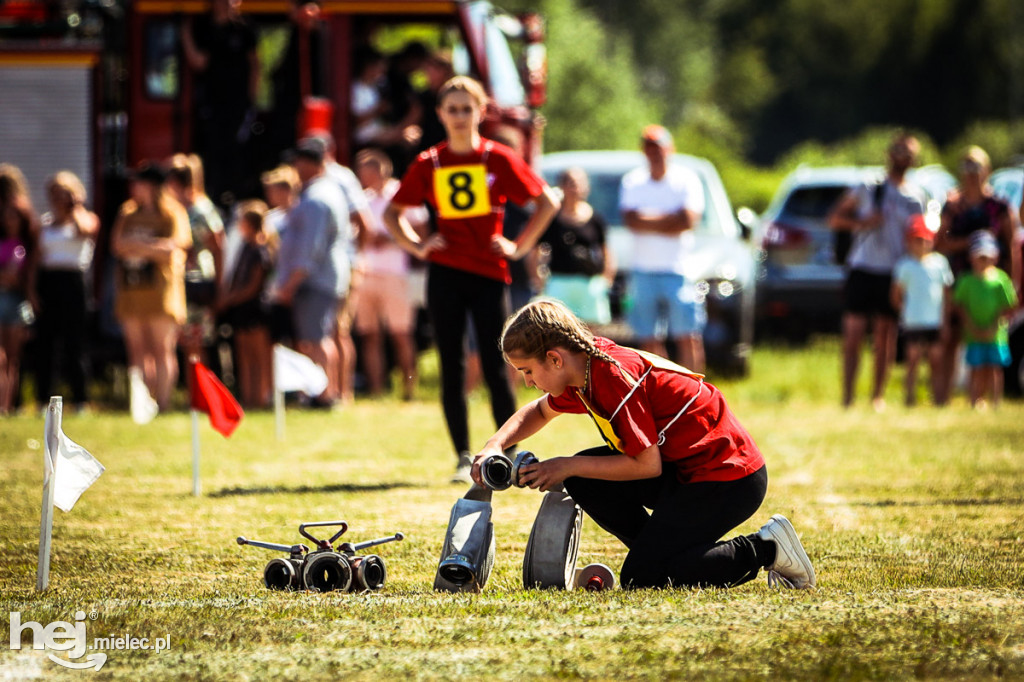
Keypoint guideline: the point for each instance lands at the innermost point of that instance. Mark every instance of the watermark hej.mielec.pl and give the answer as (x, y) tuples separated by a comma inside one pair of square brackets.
[(71, 637)]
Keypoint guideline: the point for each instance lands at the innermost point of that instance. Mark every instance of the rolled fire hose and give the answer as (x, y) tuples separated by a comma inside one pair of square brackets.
[(550, 559)]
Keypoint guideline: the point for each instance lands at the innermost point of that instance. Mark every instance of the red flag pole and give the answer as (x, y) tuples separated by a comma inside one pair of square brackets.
[(196, 485), (209, 395)]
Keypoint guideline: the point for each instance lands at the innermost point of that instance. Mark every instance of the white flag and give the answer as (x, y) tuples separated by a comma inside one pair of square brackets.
[(76, 471), (296, 372), (142, 405)]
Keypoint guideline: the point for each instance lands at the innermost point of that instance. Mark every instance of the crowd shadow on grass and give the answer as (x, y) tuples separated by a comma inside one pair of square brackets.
[(939, 502), (306, 489)]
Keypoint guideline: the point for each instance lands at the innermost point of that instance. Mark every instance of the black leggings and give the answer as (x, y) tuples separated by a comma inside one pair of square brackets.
[(677, 543), (450, 295), (61, 333)]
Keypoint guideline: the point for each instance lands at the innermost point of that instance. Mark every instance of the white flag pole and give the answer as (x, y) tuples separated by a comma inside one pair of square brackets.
[(196, 486), (279, 414), (51, 442)]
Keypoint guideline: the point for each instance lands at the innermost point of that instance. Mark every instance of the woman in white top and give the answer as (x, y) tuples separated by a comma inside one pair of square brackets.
[(384, 299), (66, 244)]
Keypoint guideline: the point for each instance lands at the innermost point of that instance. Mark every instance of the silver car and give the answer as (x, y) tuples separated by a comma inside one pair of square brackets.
[(800, 272), (721, 262)]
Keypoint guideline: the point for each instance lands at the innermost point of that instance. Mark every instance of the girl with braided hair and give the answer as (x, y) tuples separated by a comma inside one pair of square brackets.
[(672, 445)]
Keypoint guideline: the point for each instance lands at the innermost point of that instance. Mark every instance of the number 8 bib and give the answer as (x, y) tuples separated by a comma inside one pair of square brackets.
[(462, 191)]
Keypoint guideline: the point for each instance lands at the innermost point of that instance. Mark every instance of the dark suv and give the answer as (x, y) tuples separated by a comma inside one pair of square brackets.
[(800, 276)]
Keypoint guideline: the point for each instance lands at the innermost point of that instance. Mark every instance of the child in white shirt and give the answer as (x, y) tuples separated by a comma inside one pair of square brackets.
[(920, 291)]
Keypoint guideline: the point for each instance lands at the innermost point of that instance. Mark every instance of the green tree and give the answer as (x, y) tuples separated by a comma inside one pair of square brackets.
[(594, 95), (781, 72)]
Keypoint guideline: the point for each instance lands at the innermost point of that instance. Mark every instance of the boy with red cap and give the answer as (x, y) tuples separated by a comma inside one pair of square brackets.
[(920, 292)]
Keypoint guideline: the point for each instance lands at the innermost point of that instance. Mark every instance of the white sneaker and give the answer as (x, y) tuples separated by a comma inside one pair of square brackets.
[(464, 469), (792, 567)]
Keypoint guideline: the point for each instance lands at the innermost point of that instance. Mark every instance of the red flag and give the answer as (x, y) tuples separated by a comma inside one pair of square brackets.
[(209, 395)]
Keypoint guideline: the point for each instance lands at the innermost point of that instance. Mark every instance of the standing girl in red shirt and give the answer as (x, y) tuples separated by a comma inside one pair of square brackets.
[(673, 446), (467, 180)]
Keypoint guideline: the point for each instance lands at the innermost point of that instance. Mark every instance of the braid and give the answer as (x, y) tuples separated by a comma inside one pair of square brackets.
[(584, 343), (542, 325), (601, 355)]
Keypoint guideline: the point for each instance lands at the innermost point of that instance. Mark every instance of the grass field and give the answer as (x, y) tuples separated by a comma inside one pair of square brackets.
[(914, 519)]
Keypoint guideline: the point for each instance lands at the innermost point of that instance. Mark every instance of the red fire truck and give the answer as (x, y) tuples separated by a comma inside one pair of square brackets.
[(95, 86)]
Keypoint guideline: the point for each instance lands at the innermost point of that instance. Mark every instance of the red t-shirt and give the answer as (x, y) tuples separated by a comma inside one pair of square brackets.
[(706, 443), (468, 193)]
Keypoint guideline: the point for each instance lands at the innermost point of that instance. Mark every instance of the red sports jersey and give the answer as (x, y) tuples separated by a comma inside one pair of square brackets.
[(468, 193), (705, 442)]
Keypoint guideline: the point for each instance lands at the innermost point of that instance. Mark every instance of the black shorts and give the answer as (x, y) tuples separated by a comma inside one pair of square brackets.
[(925, 337), (866, 293), (247, 315), (282, 326)]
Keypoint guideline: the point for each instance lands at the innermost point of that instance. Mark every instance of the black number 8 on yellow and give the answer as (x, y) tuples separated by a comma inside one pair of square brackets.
[(462, 191), (461, 197)]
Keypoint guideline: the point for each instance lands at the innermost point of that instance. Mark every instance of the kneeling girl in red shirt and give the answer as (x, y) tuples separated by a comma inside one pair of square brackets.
[(672, 446)]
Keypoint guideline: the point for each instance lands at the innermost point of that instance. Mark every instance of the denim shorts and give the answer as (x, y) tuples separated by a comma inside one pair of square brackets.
[(987, 354), (315, 314), (664, 305)]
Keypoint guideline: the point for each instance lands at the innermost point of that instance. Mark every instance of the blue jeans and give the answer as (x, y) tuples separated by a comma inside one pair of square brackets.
[(665, 305)]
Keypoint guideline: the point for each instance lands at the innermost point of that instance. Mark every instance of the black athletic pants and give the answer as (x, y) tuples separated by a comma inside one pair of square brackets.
[(61, 333), (451, 294), (678, 542)]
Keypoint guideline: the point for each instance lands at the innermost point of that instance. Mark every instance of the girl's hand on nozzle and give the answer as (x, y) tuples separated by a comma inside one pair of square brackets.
[(546, 475), (479, 457)]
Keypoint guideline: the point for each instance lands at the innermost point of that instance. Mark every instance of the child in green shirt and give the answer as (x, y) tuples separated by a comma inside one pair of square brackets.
[(984, 297)]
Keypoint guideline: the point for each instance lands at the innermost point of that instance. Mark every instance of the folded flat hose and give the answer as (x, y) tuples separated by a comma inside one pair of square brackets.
[(467, 555)]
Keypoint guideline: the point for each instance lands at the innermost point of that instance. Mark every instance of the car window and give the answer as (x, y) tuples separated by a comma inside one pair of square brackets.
[(812, 202), (604, 196), (1008, 184)]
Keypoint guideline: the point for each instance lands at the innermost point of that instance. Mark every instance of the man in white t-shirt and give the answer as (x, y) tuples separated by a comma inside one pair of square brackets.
[(661, 203)]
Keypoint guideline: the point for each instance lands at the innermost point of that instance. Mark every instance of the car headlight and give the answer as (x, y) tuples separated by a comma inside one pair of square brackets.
[(716, 289)]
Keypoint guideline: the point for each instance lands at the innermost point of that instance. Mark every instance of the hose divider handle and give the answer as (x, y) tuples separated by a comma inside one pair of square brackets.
[(380, 541), (321, 524), (270, 545)]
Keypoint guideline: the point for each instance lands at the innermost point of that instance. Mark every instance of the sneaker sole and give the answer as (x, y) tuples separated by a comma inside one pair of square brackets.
[(794, 541)]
